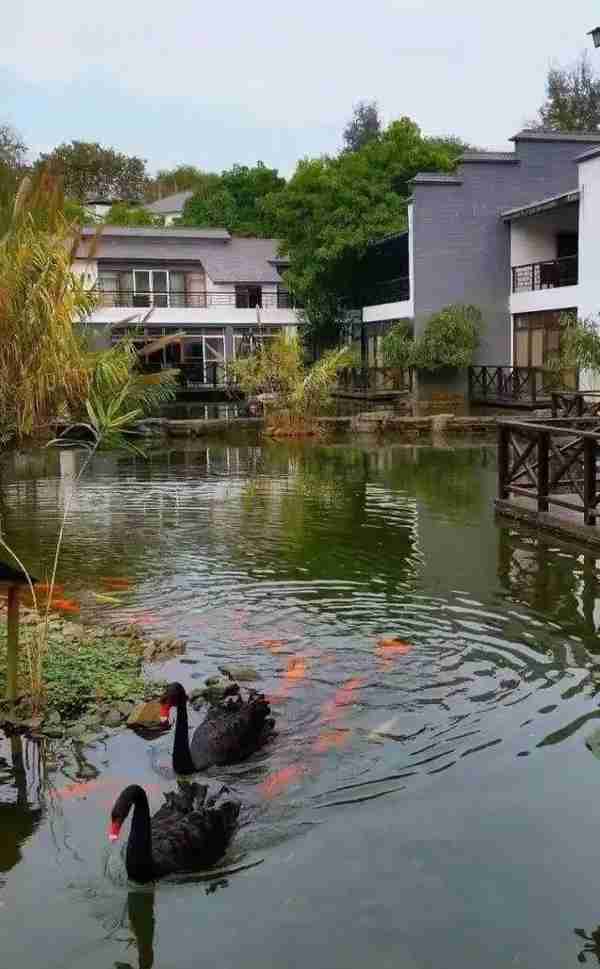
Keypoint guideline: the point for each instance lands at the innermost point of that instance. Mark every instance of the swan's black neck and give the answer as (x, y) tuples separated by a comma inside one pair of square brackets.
[(138, 859), (182, 758)]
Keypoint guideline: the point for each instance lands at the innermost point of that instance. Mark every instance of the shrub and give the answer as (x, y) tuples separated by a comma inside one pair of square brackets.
[(398, 345), (450, 338)]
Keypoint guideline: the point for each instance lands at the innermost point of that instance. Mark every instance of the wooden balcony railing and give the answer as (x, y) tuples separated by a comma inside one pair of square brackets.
[(580, 403), (367, 379), (549, 274), (543, 467), (527, 385)]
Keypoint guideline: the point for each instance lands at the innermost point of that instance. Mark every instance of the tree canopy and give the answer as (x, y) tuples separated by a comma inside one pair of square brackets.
[(332, 207), (234, 199), (87, 168), (364, 126), (12, 147), (169, 181), (120, 213), (572, 98)]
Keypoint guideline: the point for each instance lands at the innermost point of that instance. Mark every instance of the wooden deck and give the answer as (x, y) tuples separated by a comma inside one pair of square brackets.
[(562, 523)]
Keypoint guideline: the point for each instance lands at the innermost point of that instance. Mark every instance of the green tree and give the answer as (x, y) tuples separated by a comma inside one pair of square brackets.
[(235, 199), (122, 214), (88, 168), (572, 98), (364, 126), (332, 208), (169, 181), (13, 149)]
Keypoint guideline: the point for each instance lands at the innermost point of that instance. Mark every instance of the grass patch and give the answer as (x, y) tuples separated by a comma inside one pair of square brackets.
[(81, 667)]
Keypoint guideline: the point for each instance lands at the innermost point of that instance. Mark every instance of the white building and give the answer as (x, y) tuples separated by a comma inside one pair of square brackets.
[(202, 292), (170, 207)]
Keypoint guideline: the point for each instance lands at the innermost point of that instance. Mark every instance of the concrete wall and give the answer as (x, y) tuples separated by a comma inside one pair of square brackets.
[(533, 239), (461, 245), (589, 240)]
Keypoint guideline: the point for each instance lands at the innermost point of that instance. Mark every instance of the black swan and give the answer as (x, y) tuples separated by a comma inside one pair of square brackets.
[(188, 832), (231, 731)]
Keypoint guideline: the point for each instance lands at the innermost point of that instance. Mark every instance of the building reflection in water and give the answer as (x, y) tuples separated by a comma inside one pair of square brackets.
[(559, 583), (19, 819)]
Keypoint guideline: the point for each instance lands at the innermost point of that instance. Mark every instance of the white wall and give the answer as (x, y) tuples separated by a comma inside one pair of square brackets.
[(88, 268), (533, 239), (533, 301), (198, 316), (389, 311), (589, 239)]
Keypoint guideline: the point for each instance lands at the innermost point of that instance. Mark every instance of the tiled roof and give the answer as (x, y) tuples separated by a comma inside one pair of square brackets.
[(170, 204), (151, 232), (592, 153), (489, 156), (539, 134), (543, 205), (226, 259), (242, 260), (436, 178)]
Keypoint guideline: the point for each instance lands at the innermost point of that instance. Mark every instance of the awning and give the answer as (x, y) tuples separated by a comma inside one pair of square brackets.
[(161, 343), (545, 205)]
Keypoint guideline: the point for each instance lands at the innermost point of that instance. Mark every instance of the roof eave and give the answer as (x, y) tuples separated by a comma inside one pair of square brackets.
[(544, 205)]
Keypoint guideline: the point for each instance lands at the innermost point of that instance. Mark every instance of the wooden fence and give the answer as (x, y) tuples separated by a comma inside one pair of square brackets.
[(554, 465)]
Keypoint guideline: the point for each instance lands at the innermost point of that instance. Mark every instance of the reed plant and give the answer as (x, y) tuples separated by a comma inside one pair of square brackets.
[(297, 396)]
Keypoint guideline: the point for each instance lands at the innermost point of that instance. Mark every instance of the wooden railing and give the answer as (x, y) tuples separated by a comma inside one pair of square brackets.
[(553, 465), (380, 379), (568, 403), (527, 385)]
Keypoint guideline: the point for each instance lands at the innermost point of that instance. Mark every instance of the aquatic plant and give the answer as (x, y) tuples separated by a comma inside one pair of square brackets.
[(300, 394), (119, 396)]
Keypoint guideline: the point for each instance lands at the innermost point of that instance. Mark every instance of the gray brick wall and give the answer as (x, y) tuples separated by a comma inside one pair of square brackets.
[(462, 247)]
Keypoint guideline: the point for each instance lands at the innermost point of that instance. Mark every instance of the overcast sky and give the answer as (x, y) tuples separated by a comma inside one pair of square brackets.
[(213, 83)]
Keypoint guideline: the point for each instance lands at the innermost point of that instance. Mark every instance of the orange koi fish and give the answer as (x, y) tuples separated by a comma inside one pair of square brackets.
[(296, 669), (273, 645), (393, 646), (111, 582), (280, 780), (342, 698), (83, 788), (65, 605), (330, 739), (44, 588)]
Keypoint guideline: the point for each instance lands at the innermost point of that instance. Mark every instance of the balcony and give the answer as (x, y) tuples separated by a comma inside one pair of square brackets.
[(196, 299), (550, 274), (389, 291)]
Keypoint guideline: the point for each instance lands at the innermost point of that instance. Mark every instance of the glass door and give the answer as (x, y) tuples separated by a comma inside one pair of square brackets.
[(160, 287), (214, 359), (142, 287)]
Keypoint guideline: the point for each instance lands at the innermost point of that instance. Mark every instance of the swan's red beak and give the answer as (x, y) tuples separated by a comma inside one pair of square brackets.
[(113, 831), (165, 709)]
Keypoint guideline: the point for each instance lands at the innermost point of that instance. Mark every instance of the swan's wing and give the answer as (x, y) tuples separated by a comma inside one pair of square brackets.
[(230, 731), (194, 841)]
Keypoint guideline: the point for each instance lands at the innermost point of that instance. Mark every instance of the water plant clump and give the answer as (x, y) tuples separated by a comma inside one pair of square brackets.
[(83, 668), (295, 397)]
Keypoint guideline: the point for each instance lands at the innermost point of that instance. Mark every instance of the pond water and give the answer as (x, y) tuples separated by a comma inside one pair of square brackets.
[(430, 806)]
